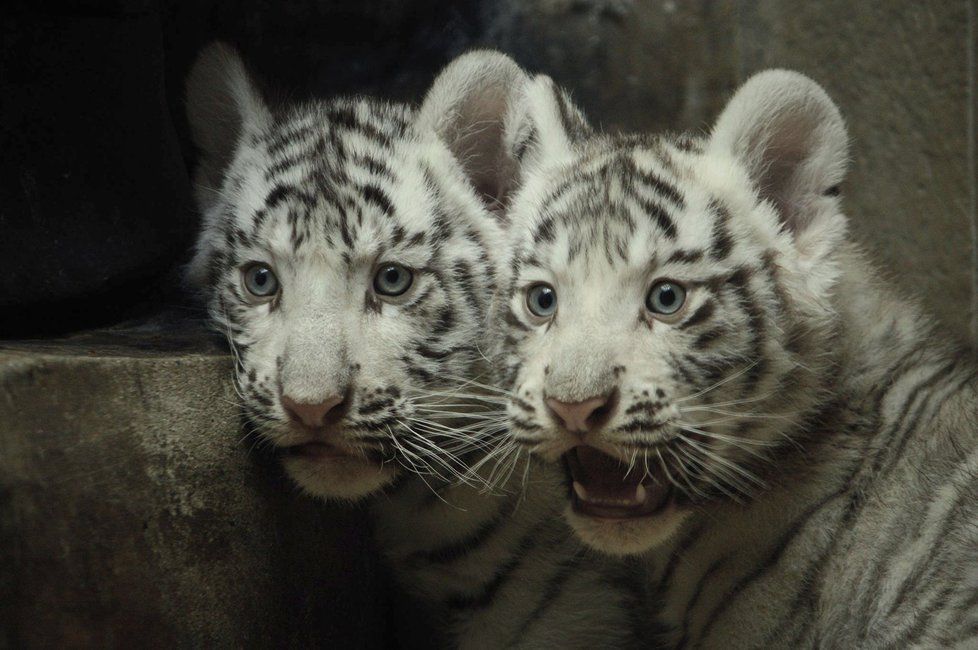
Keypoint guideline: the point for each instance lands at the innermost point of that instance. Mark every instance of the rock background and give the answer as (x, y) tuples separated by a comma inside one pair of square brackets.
[(132, 510), (133, 513)]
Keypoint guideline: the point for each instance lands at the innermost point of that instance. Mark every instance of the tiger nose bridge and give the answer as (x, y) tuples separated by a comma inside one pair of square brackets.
[(580, 370), (315, 363)]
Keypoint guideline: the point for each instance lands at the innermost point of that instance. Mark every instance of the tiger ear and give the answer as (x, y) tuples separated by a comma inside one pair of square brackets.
[(467, 108), (545, 126), (222, 104), (791, 139)]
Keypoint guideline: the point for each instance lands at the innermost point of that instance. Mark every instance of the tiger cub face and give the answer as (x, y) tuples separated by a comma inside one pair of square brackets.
[(350, 259), (669, 302)]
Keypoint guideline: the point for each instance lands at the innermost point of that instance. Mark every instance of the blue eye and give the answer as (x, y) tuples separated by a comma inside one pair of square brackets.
[(392, 280), (665, 298), (541, 300), (260, 280)]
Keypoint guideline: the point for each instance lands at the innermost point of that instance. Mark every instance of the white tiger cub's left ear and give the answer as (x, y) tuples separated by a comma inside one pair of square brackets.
[(791, 138), (468, 108), (222, 104), (545, 125)]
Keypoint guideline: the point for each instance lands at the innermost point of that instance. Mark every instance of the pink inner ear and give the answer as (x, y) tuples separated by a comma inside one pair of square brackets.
[(786, 162), (479, 146), (792, 140)]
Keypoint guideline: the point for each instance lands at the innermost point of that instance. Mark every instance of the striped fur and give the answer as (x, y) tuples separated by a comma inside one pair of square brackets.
[(324, 193), (818, 432)]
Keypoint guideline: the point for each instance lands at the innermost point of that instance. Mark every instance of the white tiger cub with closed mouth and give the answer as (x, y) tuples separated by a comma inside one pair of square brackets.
[(351, 261), (733, 392)]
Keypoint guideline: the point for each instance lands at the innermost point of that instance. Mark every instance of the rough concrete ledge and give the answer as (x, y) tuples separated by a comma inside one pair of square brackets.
[(133, 514)]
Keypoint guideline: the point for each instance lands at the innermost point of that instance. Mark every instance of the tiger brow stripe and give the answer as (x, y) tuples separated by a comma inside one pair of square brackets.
[(685, 257), (660, 187), (374, 195), (655, 211)]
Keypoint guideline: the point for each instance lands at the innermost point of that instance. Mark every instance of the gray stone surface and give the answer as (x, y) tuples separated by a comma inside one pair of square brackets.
[(132, 513), (901, 74), (632, 65)]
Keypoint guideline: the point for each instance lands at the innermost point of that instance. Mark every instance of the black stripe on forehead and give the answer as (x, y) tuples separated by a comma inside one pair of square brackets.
[(651, 181), (375, 166), (441, 229), (657, 214), (288, 132), (585, 193), (722, 242), (282, 192), (374, 195), (345, 117), (545, 231)]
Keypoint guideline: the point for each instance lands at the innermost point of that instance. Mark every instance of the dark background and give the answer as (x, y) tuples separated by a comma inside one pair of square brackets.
[(95, 208)]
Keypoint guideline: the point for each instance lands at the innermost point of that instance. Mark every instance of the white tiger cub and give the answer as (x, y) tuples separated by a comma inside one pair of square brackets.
[(732, 390), (346, 253)]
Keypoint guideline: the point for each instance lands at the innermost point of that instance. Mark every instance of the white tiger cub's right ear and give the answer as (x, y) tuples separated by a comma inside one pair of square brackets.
[(222, 104), (468, 107)]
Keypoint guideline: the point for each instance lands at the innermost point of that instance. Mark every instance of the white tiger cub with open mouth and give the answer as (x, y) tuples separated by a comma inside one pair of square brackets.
[(731, 389), (348, 255)]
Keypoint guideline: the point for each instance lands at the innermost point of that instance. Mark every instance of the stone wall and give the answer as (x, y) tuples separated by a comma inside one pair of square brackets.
[(133, 514)]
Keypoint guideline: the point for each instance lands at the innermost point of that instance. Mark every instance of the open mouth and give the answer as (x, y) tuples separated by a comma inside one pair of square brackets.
[(602, 486)]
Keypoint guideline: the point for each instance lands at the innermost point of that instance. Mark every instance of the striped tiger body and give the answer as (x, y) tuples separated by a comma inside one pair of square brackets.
[(350, 258), (734, 395)]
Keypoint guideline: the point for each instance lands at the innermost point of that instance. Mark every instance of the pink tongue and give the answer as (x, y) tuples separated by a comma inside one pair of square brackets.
[(603, 476)]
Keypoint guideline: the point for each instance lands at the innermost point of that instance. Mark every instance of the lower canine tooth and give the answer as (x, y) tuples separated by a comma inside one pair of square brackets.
[(640, 494), (580, 491)]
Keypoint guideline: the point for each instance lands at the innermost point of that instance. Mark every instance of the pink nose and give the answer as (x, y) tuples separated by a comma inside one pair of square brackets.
[(314, 415), (583, 416)]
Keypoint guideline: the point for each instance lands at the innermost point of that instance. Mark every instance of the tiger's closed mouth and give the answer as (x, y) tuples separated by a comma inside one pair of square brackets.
[(324, 451), (602, 486)]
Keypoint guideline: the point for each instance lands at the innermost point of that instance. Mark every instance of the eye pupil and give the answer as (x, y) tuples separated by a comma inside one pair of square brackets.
[(260, 280), (541, 300), (665, 298), (392, 280)]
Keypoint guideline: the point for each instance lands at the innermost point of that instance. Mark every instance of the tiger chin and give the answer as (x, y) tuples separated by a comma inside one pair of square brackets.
[(626, 536), (339, 475)]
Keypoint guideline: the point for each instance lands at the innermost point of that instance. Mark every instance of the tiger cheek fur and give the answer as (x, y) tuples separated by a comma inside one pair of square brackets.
[(323, 199)]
